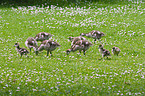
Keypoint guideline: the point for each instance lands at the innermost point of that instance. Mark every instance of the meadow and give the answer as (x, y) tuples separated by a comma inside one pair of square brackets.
[(74, 74)]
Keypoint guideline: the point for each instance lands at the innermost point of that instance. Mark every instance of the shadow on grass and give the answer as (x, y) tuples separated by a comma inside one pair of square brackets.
[(58, 3)]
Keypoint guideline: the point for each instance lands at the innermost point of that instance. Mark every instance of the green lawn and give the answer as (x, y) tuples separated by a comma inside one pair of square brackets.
[(74, 74)]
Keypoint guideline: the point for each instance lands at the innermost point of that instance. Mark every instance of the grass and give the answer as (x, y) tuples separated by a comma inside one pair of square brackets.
[(74, 74)]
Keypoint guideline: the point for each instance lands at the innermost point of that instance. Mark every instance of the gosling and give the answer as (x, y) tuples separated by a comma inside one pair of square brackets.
[(32, 43), (75, 39), (96, 35), (115, 51), (49, 46), (42, 36), (104, 52), (21, 51), (81, 45)]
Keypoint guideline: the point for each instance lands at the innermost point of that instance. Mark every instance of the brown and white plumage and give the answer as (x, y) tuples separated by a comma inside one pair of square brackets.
[(42, 36), (49, 46), (81, 45), (94, 34), (32, 43), (115, 51), (75, 39), (21, 51), (79, 37), (104, 52)]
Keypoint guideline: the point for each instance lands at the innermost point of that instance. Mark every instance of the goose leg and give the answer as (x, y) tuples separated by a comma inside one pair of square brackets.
[(30, 50), (21, 54), (47, 53), (84, 52), (80, 51), (36, 52), (94, 41), (51, 53)]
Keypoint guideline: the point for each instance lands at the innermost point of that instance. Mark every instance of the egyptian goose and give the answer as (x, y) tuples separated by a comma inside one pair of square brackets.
[(104, 52), (21, 51), (81, 45), (49, 46), (32, 43), (115, 51), (94, 34), (42, 36)]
